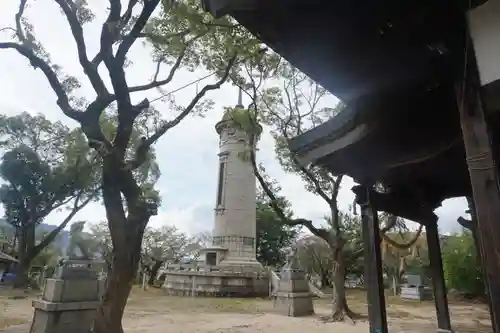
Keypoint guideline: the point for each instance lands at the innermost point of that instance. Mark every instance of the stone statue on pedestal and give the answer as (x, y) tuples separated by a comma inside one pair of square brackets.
[(71, 297), (78, 247)]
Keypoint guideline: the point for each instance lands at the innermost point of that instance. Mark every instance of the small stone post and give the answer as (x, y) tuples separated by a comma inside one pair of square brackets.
[(293, 297), (144, 281), (69, 300)]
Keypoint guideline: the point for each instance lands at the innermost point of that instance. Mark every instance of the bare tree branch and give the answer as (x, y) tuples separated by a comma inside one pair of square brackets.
[(168, 79), (109, 32), (129, 40), (404, 246), (467, 224), (98, 58), (25, 48), (88, 67), (143, 148), (19, 29), (37, 62), (8, 28), (392, 221), (163, 38), (49, 238)]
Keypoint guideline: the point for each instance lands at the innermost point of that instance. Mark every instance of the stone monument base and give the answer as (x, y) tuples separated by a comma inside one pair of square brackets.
[(247, 266), (69, 300), (420, 293), (293, 297), (219, 283)]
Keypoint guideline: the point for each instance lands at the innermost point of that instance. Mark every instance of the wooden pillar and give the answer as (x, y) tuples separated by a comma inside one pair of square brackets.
[(374, 282), (479, 247), (484, 179), (438, 284)]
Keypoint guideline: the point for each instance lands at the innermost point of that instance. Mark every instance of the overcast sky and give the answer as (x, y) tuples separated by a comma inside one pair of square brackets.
[(187, 154)]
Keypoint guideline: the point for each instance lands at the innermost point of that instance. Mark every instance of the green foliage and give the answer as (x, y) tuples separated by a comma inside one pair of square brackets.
[(34, 187), (183, 26), (245, 120), (165, 243), (461, 266), (100, 242), (50, 254), (272, 236), (148, 173), (352, 252), (316, 256), (45, 165)]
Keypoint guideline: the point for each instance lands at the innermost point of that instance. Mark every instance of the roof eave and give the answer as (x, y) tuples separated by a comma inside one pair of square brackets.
[(219, 8)]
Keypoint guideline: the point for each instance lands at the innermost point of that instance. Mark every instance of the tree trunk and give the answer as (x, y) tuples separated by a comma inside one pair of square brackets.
[(154, 272), (340, 309), (21, 280), (325, 281), (109, 314), (127, 229), (394, 285), (338, 291)]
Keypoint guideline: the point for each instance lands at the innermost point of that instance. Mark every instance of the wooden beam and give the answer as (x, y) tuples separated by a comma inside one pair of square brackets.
[(484, 179), (438, 283), (374, 282), (400, 205)]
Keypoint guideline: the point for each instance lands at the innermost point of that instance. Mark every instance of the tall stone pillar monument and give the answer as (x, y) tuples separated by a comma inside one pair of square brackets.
[(235, 208), (230, 268)]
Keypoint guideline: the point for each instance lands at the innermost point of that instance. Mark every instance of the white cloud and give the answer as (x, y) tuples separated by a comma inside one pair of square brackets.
[(187, 154)]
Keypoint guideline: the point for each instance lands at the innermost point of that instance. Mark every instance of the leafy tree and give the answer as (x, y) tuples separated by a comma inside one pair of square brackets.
[(203, 239), (101, 244), (46, 167), (164, 244), (461, 266), (471, 225), (272, 236), (397, 261), (315, 258), (68, 176), (181, 35), (34, 188), (50, 254)]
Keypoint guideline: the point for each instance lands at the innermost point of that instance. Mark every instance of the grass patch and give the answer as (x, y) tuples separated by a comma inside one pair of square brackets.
[(11, 321), (152, 299)]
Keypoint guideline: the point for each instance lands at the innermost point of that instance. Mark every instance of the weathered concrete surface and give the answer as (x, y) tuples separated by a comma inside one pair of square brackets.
[(216, 284), (293, 297), (69, 300)]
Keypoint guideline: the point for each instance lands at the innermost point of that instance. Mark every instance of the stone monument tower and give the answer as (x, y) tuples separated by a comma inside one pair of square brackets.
[(235, 208), (230, 268)]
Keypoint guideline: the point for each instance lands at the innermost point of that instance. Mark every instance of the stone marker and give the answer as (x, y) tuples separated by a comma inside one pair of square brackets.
[(293, 297), (69, 300), (230, 267), (416, 289)]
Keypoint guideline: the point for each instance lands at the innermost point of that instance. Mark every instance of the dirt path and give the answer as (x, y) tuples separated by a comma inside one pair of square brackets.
[(153, 312)]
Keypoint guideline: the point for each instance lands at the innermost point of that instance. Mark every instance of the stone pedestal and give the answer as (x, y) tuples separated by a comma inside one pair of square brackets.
[(293, 297), (215, 284), (416, 289), (69, 300), (420, 293)]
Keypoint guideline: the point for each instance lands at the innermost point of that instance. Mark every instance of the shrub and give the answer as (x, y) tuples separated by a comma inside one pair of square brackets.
[(461, 265)]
